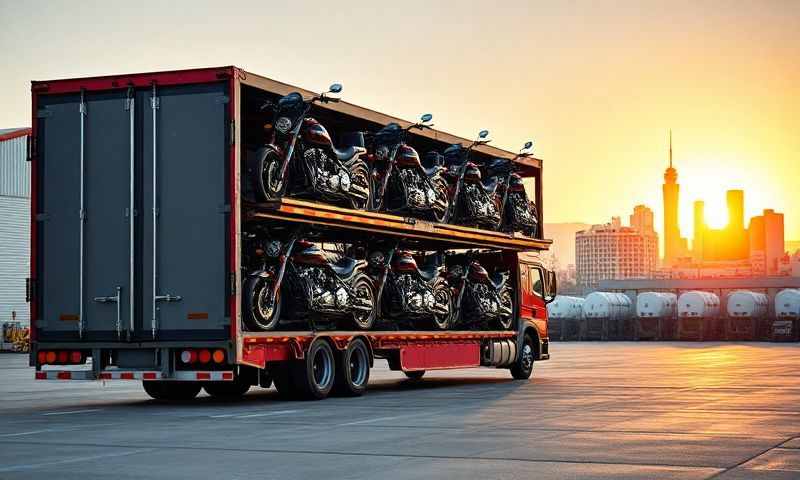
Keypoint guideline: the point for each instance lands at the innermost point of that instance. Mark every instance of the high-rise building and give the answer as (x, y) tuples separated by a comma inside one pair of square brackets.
[(642, 219), (674, 245), (766, 242), (698, 242), (612, 251)]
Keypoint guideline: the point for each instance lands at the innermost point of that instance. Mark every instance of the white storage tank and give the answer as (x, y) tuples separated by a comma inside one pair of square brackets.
[(608, 305), (787, 303), (698, 304), (565, 307), (747, 304), (656, 305)]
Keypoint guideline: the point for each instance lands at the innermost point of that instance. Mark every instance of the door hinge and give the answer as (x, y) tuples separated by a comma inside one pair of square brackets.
[(30, 146), (129, 99), (232, 283), (233, 133)]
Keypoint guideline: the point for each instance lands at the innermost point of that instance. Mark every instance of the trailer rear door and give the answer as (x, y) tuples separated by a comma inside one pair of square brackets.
[(102, 245)]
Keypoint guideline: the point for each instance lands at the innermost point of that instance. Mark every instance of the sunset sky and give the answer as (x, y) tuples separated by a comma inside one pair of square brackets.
[(596, 84)]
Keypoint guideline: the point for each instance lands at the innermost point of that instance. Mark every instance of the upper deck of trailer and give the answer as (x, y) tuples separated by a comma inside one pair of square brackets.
[(423, 234)]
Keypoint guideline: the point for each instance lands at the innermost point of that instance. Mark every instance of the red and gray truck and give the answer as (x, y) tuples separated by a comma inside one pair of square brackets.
[(136, 245)]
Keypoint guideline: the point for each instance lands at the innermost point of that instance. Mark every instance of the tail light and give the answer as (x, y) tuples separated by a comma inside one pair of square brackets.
[(188, 356), (60, 357), (204, 356), (219, 356)]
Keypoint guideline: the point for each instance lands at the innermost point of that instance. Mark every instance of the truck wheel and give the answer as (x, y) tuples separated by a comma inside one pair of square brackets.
[(352, 370), (171, 391), (314, 376), (523, 367), (261, 314), (227, 390), (415, 375)]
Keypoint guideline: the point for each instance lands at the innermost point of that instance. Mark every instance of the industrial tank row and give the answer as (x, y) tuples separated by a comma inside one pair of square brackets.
[(694, 315)]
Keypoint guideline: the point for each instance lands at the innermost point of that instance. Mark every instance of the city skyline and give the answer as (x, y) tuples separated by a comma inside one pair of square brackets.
[(595, 85)]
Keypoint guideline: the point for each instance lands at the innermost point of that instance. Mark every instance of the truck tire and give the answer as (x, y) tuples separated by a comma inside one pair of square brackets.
[(523, 367), (227, 390), (352, 370), (415, 375), (171, 391), (314, 376)]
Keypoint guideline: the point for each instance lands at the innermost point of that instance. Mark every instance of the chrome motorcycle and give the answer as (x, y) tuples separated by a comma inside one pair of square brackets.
[(412, 292), (298, 276), (301, 160), (481, 300), (473, 201), (517, 212), (401, 184)]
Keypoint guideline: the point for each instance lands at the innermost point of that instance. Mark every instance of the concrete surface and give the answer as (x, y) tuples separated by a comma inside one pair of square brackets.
[(596, 410)]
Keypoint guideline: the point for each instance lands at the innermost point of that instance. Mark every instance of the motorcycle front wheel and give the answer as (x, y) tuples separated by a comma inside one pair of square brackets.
[(365, 290), (440, 187), (505, 298), (442, 294), (359, 175), (270, 184), (263, 313)]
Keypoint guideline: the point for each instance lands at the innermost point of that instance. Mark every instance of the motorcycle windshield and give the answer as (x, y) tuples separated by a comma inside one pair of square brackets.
[(291, 106), (389, 135)]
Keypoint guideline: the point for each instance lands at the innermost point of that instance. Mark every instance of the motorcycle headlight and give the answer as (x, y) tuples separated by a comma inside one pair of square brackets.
[(456, 271), (283, 124), (377, 259), (273, 248)]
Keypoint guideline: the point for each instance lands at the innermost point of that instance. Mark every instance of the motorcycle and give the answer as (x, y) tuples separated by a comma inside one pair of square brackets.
[(300, 276), (300, 158), (481, 300), (473, 201), (420, 294), (517, 213), (401, 184)]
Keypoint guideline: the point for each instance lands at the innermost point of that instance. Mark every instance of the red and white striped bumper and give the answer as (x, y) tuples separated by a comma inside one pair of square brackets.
[(185, 376)]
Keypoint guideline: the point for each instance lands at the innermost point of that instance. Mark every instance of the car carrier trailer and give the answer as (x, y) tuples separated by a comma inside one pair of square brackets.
[(137, 211)]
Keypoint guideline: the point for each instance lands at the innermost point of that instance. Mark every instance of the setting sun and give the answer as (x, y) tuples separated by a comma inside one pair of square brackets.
[(716, 214)]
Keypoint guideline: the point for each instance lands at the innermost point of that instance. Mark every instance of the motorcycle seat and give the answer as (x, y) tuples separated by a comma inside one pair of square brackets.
[(499, 279), (346, 266), (347, 153), (490, 185)]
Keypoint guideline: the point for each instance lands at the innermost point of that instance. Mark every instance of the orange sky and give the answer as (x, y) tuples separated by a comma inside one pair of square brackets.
[(596, 84)]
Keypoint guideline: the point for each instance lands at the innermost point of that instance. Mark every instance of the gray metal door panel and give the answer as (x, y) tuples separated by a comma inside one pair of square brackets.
[(59, 221), (107, 200), (191, 163)]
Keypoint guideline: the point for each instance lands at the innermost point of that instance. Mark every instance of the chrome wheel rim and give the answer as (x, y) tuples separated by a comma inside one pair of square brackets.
[(264, 307), (361, 317), (273, 183), (442, 295)]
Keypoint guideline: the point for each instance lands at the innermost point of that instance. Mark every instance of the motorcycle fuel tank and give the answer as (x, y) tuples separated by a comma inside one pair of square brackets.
[(407, 157), (404, 262), (314, 132), (477, 273), (307, 253)]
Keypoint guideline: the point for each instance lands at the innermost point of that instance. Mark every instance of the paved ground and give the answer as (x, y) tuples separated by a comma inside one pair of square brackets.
[(597, 410)]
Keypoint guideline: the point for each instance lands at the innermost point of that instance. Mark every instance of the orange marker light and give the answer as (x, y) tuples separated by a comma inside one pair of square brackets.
[(205, 356), (51, 357), (219, 356)]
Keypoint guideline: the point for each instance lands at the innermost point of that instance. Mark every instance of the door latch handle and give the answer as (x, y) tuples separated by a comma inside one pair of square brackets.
[(168, 298), (114, 299)]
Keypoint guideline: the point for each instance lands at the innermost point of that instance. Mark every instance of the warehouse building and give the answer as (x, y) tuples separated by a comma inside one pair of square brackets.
[(14, 224)]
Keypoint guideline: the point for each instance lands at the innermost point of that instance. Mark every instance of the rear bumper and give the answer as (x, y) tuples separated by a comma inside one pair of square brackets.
[(149, 375)]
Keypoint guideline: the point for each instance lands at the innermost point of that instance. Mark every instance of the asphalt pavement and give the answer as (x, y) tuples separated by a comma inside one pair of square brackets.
[(595, 410)]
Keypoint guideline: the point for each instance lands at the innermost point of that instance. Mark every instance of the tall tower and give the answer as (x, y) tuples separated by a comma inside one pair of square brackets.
[(671, 192)]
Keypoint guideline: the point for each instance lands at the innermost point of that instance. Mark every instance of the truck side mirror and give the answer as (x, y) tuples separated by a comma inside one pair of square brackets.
[(551, 286)]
